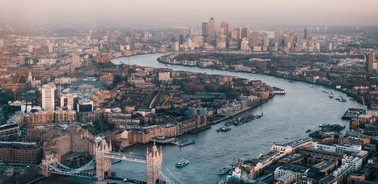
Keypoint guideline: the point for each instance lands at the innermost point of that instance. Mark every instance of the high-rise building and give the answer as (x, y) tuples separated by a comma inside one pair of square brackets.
[(266, 40), (243, 32), (204, 29), (221, 41), (224, 27), (306, 34), (254, 39), (190, 32), (236, 33), (48, 96), (369, 62), (211, 28)]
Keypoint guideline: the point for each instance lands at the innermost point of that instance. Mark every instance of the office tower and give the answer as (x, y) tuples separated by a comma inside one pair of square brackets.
[(278, 37), (176, 46), (48, 96), (190, 32), (211, 28), (204, 29), (306, 34), (221, 41), (289, 40), (369, 62), (234, 33), (181, 39), (266, 40), (243, 32), (254, 39), (224, 27), (244, 45)]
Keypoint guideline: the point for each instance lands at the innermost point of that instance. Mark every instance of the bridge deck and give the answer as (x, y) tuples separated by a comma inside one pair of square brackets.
[(126, 157)]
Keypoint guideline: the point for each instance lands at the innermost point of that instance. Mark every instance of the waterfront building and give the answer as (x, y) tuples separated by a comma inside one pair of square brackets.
[(212, 28), (21, 152)]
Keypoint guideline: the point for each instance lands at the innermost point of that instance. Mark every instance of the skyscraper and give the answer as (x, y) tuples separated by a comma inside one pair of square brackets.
[(306, 33), (211, 28), (204, 29), (224, 27), (266, 40), (243, 32), (48, 96), (369, 62)]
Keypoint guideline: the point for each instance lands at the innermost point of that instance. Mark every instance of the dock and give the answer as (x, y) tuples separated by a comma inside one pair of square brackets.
[(353, 113)]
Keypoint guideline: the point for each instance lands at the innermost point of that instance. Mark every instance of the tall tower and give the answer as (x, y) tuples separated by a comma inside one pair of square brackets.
[(224, 27), (48, 96), (369, 62), (204, 29), (103, 165), (212, 28), (306, 34), (154, 159)]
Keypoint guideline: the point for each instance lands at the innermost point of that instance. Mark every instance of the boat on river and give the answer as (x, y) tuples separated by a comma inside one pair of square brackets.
[(308, 131), (311, 86), (330, 95), (182, 163), (225, 170), (224, 129)]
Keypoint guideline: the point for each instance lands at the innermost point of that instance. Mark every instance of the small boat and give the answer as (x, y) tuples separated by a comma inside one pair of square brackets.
[(167, 65), (324, 91), (291, 81), (224, 129), (225, 170), (330, 95), (182, 163), (311, 86), (308, 131), (286, 138)]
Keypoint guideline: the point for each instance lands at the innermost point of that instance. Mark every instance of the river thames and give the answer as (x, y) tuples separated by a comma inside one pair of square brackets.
[(286, 118)]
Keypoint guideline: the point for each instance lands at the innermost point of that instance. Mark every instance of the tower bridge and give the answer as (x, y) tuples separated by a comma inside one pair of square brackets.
[(100, 167)]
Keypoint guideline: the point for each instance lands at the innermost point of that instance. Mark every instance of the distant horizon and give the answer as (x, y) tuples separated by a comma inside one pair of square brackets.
[(183, 13)]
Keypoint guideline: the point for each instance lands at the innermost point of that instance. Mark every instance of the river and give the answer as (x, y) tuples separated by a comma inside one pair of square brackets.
[(286, 118)]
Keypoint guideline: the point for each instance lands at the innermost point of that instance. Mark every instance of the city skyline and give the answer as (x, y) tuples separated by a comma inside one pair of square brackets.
[(241, 13)]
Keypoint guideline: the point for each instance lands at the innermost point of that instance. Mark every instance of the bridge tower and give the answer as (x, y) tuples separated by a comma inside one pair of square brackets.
[(154, 159), (103, 165), (45, 166)]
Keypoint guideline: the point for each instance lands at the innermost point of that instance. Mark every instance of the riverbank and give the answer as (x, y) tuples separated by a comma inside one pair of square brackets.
[(333, 87)]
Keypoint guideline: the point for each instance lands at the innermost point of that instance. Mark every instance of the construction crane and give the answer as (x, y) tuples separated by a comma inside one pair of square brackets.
[(14, 88)]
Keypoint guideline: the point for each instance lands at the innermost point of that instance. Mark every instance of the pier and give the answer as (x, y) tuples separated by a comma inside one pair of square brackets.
[(353, 113)]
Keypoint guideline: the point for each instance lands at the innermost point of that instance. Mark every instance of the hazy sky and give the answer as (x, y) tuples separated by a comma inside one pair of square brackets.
[(192, 12)]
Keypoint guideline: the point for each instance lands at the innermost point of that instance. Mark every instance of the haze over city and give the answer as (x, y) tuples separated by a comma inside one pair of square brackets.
[(195, 91), (189, 13)]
